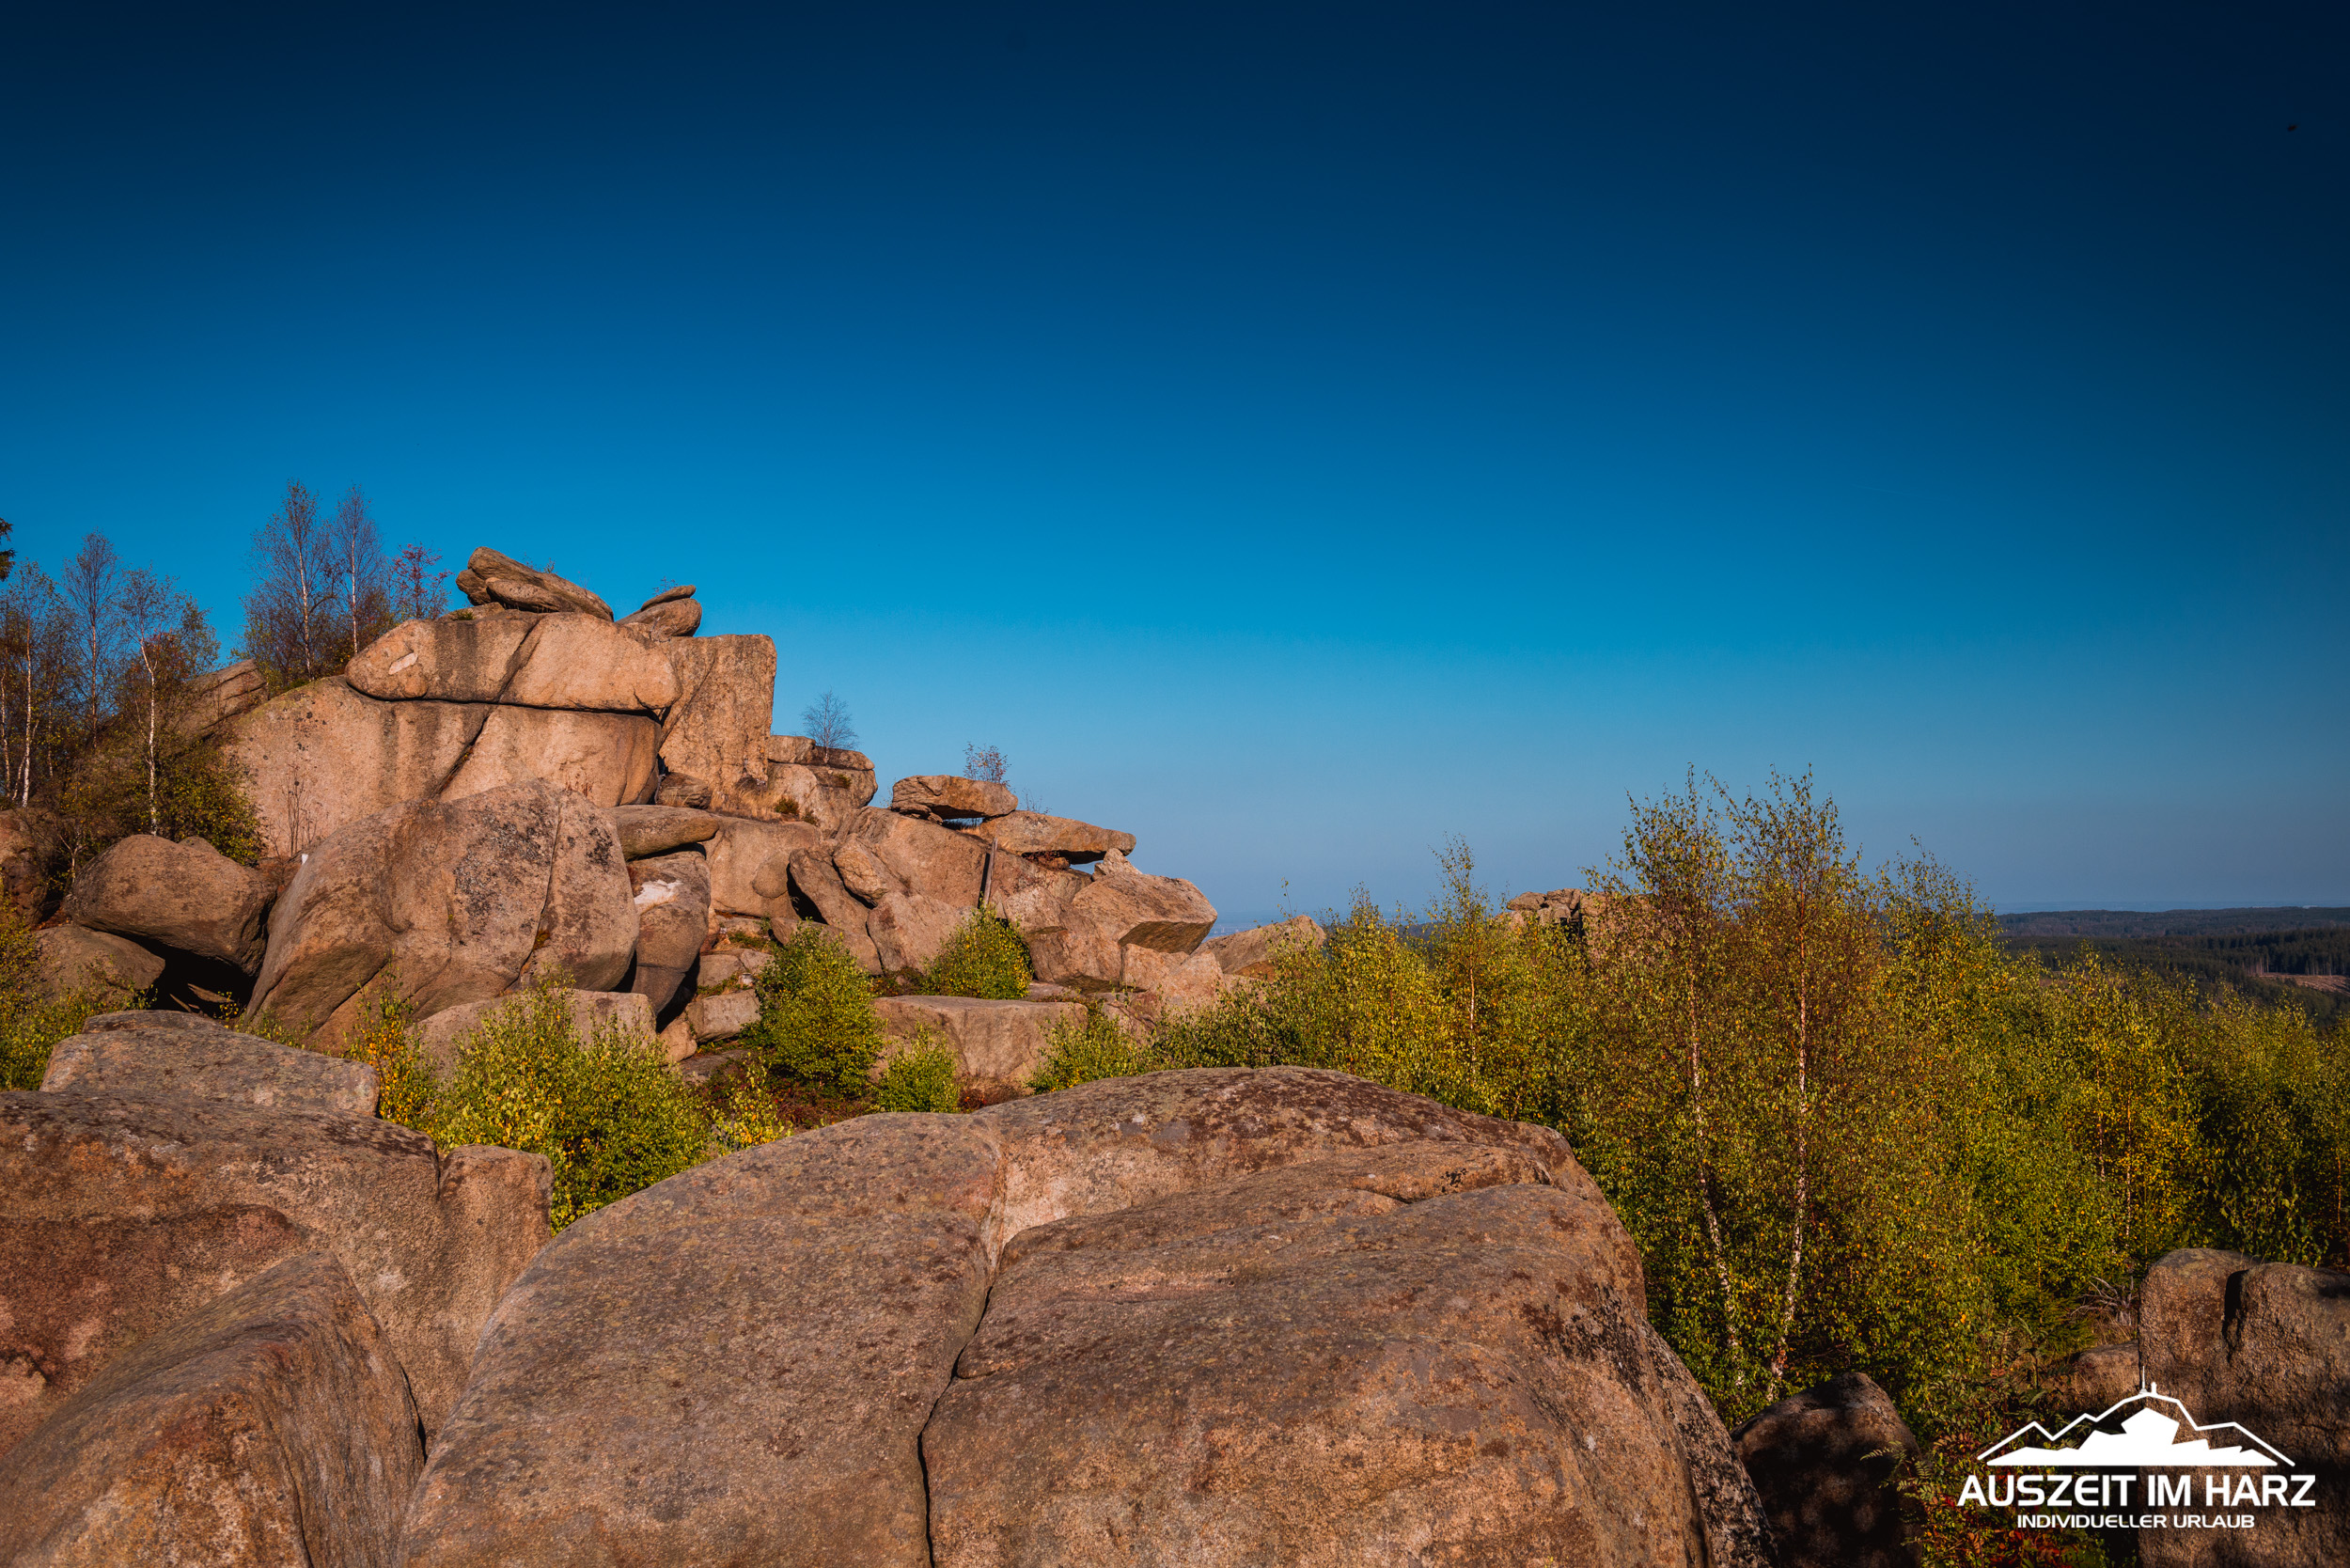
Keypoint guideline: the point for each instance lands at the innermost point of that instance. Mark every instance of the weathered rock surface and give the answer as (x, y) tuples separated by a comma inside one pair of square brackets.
[(733, 967), (998, 1045), (923, 857), (270, 1426), (671, 613), (592, 1011), (721, 1016), (1406, 1354), (195, 1057), (1179, 980), (813, 878), (716, 731), (492, 578), (940, 795), (325, 756), (549, 661), (848, 1265), (606, 757), (77, 1293), (31, 841), (73, 957), (2267, 1346), (1824, 1462), (187, 895), (218, 696), (909, 932), (799, 748), (430, 1241), (862, 873), (853, 1264), (648, 830), (465, 900), (1087, 942), (824, 797), (672, 898), (1252, 952), (1031, 833), (741, 849)]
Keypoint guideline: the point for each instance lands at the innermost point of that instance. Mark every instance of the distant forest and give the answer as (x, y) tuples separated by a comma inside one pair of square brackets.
[(2235, 948)]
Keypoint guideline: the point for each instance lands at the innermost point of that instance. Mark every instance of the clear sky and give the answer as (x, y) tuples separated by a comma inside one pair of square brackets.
[(1295, 433)]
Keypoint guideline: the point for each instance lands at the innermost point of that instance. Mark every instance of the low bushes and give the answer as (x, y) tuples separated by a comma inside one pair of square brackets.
[(921, 1078), (816, 1024), (606, 1110), (986, 959), (32, 1022)]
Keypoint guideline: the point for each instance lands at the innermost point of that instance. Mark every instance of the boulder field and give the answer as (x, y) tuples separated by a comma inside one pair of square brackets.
[(529, 784), (1201, 1317)]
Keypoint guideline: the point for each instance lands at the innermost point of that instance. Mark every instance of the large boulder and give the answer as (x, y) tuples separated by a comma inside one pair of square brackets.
[(1252, 953), (923, 857), (1417, 1353), (672, 898), (937, 796), (910, 931), (490, 578), (744, 846), (826, 798), (186, 896), (1447, 1356), (1087, 942), (847, 1266), (648, 830), (998, 1045), (325, 756), (1824, 1462), (812, 878), (440, 1037), (270, 1426), (74, 1293), (1062, 837), (716, 731), (549, 661), (431, 1241), (74, 958), (31, 841), (188, 1055), (462, 901), (605, 758), (2267, 1346), (218, 696), (671, 613)]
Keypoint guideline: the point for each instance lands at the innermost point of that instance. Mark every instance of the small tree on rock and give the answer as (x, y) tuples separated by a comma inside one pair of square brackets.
[(828, 723)]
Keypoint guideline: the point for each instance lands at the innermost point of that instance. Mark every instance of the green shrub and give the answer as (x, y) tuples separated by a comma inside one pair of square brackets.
[(816, 1024), (1094, 1048), (31, 1022), (921, 1078), (985, 958), (407, 1089), (606, 1112)]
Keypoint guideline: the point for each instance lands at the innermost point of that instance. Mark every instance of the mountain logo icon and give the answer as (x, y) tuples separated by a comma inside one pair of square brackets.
[(2160, 1433)]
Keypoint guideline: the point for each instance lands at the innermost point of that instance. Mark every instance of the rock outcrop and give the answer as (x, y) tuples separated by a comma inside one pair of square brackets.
[(672, 897), (74, 958), (716, 731), (1179, 1245), (431, 1243), (547, 661), (188, 1056), (186, 896), (939, 796), (1064, 838), (460, 900), (998, 1045), (268, 1425), (490, 578), (1824, 1462), (2267, 1346), (325, 755)]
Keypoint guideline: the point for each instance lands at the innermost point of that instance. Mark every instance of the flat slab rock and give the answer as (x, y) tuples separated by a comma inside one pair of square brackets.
[(270, 1426), (998, 1045), (1277, 1315), (193, 1057)]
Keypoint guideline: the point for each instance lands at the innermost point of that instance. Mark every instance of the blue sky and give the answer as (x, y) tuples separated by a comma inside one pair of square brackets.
[(1295, 435)]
